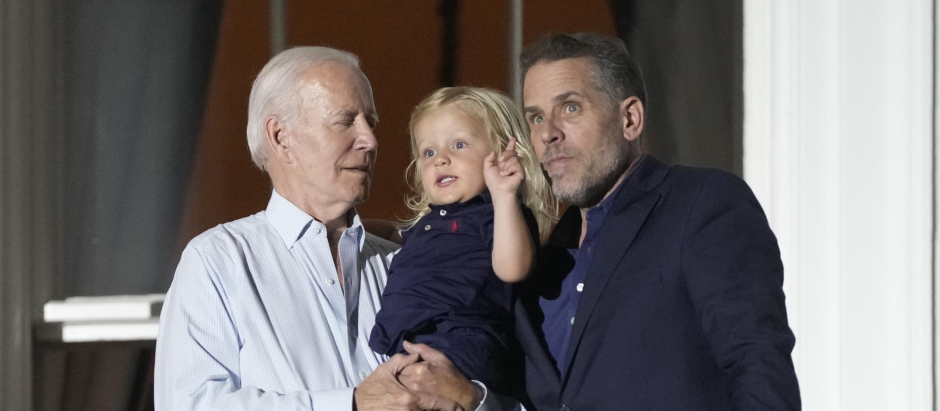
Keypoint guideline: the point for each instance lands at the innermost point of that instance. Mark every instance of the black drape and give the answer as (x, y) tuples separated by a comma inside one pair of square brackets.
[(691, 53), (135, 80), (449, 13)]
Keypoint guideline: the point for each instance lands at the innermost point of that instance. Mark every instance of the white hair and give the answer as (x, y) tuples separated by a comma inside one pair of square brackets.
[(274, 92)]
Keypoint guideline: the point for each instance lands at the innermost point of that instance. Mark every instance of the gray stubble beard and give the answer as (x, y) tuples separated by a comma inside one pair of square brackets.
[(599, 175)]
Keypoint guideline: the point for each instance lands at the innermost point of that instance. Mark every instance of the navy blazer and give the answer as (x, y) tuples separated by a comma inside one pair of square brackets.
[(682, 306)]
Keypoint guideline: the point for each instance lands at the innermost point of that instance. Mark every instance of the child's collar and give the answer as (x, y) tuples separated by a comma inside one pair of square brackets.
[(482, 198)]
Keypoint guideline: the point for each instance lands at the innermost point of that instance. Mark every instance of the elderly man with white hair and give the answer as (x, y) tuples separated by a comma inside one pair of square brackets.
[(273, 311)]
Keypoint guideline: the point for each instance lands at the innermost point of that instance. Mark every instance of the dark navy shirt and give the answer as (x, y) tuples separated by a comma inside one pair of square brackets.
[(559, 310), (443, 279)]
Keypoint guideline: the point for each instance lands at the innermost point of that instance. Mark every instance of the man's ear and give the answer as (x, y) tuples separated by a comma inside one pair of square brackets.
[(632, 115), (278, 140)]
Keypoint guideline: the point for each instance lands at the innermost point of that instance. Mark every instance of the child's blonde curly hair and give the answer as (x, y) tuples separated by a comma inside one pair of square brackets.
[(501, 121)]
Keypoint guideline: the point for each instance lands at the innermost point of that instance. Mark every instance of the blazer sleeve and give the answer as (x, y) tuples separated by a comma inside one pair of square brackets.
[(734, 275)]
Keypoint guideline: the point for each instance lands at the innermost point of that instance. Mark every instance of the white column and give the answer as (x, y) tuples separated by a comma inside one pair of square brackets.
[(30, 132), (838, 147)]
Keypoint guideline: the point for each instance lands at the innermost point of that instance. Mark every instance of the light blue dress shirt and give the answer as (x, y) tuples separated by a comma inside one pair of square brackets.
[(256, 319)]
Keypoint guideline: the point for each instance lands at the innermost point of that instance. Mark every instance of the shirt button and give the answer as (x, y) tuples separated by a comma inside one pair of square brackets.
[(580, 287), (443, 212), (427, 227), (316, 230), (564, 408), (330, 281), (362, 374), (572, 320)]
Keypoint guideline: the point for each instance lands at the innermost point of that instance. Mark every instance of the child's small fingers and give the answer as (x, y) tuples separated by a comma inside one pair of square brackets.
[(511, 162), (508, 155), (512, 144), (490, 159)]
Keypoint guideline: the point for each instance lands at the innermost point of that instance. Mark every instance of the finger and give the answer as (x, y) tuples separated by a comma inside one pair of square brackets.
[(399, 362), (409, 380), (507, 155), (515, 168), (512, 144), (511, 162), (490, 160), (416, 370), (425, 351), (428, 401)]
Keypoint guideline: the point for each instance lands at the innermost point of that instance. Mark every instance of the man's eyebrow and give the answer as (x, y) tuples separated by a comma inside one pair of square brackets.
[(344, 113), (557, 99), (564, 96), (531, 109)]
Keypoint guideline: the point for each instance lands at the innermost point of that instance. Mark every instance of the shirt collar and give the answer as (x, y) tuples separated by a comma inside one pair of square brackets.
[(483, 198), (609, 201), (291, 223)]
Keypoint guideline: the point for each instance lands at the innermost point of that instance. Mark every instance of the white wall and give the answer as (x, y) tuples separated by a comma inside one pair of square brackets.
[(838, 146)]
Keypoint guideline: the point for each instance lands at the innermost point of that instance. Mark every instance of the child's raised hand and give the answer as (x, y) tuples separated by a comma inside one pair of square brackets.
[(504, 175)]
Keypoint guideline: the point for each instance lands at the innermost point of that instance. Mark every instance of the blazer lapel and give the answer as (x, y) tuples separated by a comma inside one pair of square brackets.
[(624, 220)]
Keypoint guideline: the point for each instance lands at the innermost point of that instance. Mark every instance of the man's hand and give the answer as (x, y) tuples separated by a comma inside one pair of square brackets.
[(437, 375), (382, 391), (503, 176)]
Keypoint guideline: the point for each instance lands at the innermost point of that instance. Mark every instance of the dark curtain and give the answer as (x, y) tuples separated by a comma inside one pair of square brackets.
[(449, 13), (691, 53), (135, 75)]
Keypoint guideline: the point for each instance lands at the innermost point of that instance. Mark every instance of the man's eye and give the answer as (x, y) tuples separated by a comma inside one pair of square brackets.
[(571, 108), (537, 119), (460, 145), (429, 153)]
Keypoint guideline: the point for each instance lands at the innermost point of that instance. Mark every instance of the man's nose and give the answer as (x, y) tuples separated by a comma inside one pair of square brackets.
[(366, 139), (550, 133)]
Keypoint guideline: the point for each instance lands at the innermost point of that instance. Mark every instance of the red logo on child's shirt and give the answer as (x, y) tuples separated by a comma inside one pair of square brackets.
[(453, 227)]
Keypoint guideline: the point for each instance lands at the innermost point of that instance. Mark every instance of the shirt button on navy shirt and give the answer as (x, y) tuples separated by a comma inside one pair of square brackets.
[(443, 212), (556, 308)]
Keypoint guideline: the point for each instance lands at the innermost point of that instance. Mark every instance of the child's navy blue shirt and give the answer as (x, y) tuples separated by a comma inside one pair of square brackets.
[(442, 284)]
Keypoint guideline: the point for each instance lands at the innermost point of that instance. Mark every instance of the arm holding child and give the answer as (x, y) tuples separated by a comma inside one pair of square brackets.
[(513, 247)]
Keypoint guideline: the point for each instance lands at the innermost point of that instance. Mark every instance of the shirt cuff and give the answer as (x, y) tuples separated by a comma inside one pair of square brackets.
[(484, 406), (338, 399), (495, 402)]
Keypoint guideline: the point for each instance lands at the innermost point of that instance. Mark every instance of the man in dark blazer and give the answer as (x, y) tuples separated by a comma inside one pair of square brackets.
[(661, 287)]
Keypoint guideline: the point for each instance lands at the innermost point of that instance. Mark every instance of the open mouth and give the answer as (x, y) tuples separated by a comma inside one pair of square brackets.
[(444, 181)]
